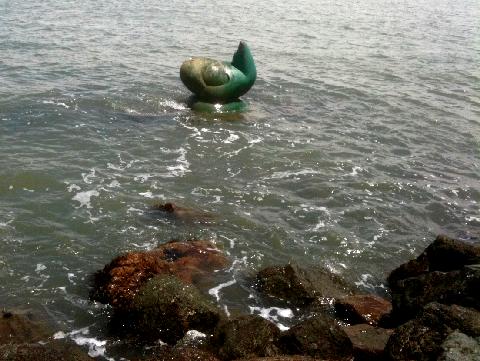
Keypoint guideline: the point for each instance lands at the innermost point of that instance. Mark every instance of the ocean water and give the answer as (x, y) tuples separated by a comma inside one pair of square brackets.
[(361, 144)]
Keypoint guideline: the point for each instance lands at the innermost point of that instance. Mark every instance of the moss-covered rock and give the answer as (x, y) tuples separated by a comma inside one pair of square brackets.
[(120, 280), (246, 336), (300, 286), (167, 308)]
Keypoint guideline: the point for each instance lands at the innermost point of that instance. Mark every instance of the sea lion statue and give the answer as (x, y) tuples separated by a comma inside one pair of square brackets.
[(217, 85)]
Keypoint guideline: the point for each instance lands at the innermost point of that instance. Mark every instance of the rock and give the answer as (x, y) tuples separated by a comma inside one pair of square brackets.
[(299, 286), (368, 342), (421, 338), (167, 308), (363, 309), (21, 328), (460, 347), (121, 279), (182, 354), (184, 213), (318, 337), (444, 254), (51, 350), (280, 358), (246, 336), (448, 271), (454, 287), (22, 338)]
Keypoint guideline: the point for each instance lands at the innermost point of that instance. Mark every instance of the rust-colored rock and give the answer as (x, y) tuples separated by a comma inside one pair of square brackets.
[(184, 213), (121, 279), (368, 341), (363, 309)]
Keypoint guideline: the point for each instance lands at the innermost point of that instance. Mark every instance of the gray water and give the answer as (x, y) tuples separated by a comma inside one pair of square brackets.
[(361, 144)]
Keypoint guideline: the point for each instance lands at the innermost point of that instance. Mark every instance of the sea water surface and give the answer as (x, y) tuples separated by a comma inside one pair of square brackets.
[(361, 144)]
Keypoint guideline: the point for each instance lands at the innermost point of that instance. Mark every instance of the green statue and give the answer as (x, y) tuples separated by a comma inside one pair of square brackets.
[(217, 85)]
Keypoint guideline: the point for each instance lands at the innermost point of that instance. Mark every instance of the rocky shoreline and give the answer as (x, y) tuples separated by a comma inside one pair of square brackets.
[(434, 313)]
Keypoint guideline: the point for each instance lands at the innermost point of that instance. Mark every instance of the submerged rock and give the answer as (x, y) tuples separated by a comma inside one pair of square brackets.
[(421, 338), (319, 337), (121, 279), (246, 336), (368, 341), (22, 338), (184, 213), (363, 309), (166, 308), (300, 286)]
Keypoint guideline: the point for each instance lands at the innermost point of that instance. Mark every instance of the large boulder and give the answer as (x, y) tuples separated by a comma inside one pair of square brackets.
[(444, 254), (368, 341), (369, 309), (421, 338), (166, 308), (300, 286), (448, 271), (319, 337), (246, 336), (120, 280), (454, 287)]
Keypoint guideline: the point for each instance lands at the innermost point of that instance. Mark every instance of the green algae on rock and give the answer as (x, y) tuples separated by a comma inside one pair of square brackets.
[(166, 308)]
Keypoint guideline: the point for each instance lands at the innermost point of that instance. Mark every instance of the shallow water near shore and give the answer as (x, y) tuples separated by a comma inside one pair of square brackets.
[(361, 142)]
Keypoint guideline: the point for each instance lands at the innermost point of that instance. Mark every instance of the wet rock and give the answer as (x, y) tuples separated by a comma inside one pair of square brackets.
[(444, 254), (422, 338), (368, 341), (166, 308), (460, 347), (184, 213), (246, 336), (23, 338), (280, 358), (183, 353), (21, 328), (318, 337), (363, 309), (300, 286), (454, 287), (121, 279), (448, 271)]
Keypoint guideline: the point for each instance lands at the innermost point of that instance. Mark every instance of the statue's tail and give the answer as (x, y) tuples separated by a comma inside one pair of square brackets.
[(243, 61)]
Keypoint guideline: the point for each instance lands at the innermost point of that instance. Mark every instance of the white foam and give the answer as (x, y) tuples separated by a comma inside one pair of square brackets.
[(273, 314), (147, 194), (182, 165), (472, 219), (288, 174), (84, 198), (114, 184), (40, 267), (355, 171), (87, 176), (172, 104), (73, 187), (215, 291), (232, 137)]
